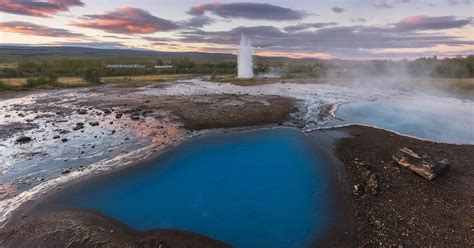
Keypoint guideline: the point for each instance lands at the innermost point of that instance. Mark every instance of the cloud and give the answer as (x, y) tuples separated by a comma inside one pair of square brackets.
[(358, 20), (37, 30), (158, 40), (126, 20), (431, 23), (38, 8), (339, 41), (90, 44), (456, 2), (337, 9), (305, 26), (117, 37), (197, 22), (387, 4), (255, 11)]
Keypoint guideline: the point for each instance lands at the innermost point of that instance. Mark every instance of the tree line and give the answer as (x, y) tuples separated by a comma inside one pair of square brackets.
[(52, 67)]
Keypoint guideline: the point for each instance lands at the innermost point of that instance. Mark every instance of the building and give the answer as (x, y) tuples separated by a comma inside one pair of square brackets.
[(163, 66), (126, 66)]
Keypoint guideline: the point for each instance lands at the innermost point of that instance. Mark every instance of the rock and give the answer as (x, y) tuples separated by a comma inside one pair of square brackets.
[(56, 137), (23, 139), (371, 183), (95, 123), (82, 111), (66, 171), (118, 116), (78, 126), (421, 164), (135, 117), (64, 140)]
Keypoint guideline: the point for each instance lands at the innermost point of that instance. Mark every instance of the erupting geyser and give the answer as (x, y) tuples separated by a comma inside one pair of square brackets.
[(244, 58)]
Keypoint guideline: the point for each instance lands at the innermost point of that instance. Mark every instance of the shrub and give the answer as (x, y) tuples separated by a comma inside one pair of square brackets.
[(3, 85), (92, 76), (35, 82)]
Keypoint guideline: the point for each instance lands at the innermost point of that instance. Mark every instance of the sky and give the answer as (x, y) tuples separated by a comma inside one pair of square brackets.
[(346, 29)]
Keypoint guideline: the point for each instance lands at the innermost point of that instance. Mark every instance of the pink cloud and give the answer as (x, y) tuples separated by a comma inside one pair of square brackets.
[(126, 20), (38, 8), (37, 30)]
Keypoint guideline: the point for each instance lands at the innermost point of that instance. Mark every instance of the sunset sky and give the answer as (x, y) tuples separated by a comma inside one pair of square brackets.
[(350, 29)]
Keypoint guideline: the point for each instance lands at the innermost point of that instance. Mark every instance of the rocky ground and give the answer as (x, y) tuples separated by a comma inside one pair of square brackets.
[(65, 131), (198, 112), (82, 229), (390, 206), (393, 207)]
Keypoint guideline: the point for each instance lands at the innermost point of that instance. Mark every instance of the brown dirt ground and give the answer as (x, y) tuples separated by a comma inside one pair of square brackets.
[(404, 209), (82, 229), (208, 111)]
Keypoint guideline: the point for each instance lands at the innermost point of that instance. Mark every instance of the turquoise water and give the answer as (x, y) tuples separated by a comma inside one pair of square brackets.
[(427, 120), (261, 189)]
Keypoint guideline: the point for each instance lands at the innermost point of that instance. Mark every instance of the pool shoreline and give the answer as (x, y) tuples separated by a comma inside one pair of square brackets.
[(42, 206), (344, 180)]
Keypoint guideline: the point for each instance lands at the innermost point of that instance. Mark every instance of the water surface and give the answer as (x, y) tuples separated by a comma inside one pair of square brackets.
[(452, 123), (265, 188)]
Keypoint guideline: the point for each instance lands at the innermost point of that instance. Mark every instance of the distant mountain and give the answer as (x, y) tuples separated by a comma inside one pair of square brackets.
[(27, 51)]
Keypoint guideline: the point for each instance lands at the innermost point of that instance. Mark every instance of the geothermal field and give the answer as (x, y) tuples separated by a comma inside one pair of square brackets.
[(217, 164), (236, 124)]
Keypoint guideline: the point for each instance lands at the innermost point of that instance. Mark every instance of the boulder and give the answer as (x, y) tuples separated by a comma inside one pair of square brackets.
[(421, 164)]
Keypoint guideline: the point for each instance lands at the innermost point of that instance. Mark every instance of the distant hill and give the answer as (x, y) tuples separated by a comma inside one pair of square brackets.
[(27, 51)]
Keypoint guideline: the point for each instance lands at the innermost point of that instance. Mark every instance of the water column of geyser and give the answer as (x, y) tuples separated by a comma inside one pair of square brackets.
[(244, 58)]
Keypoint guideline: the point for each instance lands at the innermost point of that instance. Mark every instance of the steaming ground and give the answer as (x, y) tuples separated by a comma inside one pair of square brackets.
[(320, 105), (437, 118)]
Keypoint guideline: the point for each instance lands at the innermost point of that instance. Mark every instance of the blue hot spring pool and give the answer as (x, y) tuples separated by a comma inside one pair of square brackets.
[(266, 188), (452, 123)]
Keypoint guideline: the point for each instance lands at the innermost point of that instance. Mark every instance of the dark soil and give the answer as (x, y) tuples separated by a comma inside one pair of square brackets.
[(10, 130), (83, 229), (198, 112), (392, 206)]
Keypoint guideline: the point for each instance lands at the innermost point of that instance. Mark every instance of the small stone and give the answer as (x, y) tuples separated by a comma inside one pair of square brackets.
[(82, 111), (64, 139), (78, 126), (65, 171), (23, 139), (56, 137), (95, 123)]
